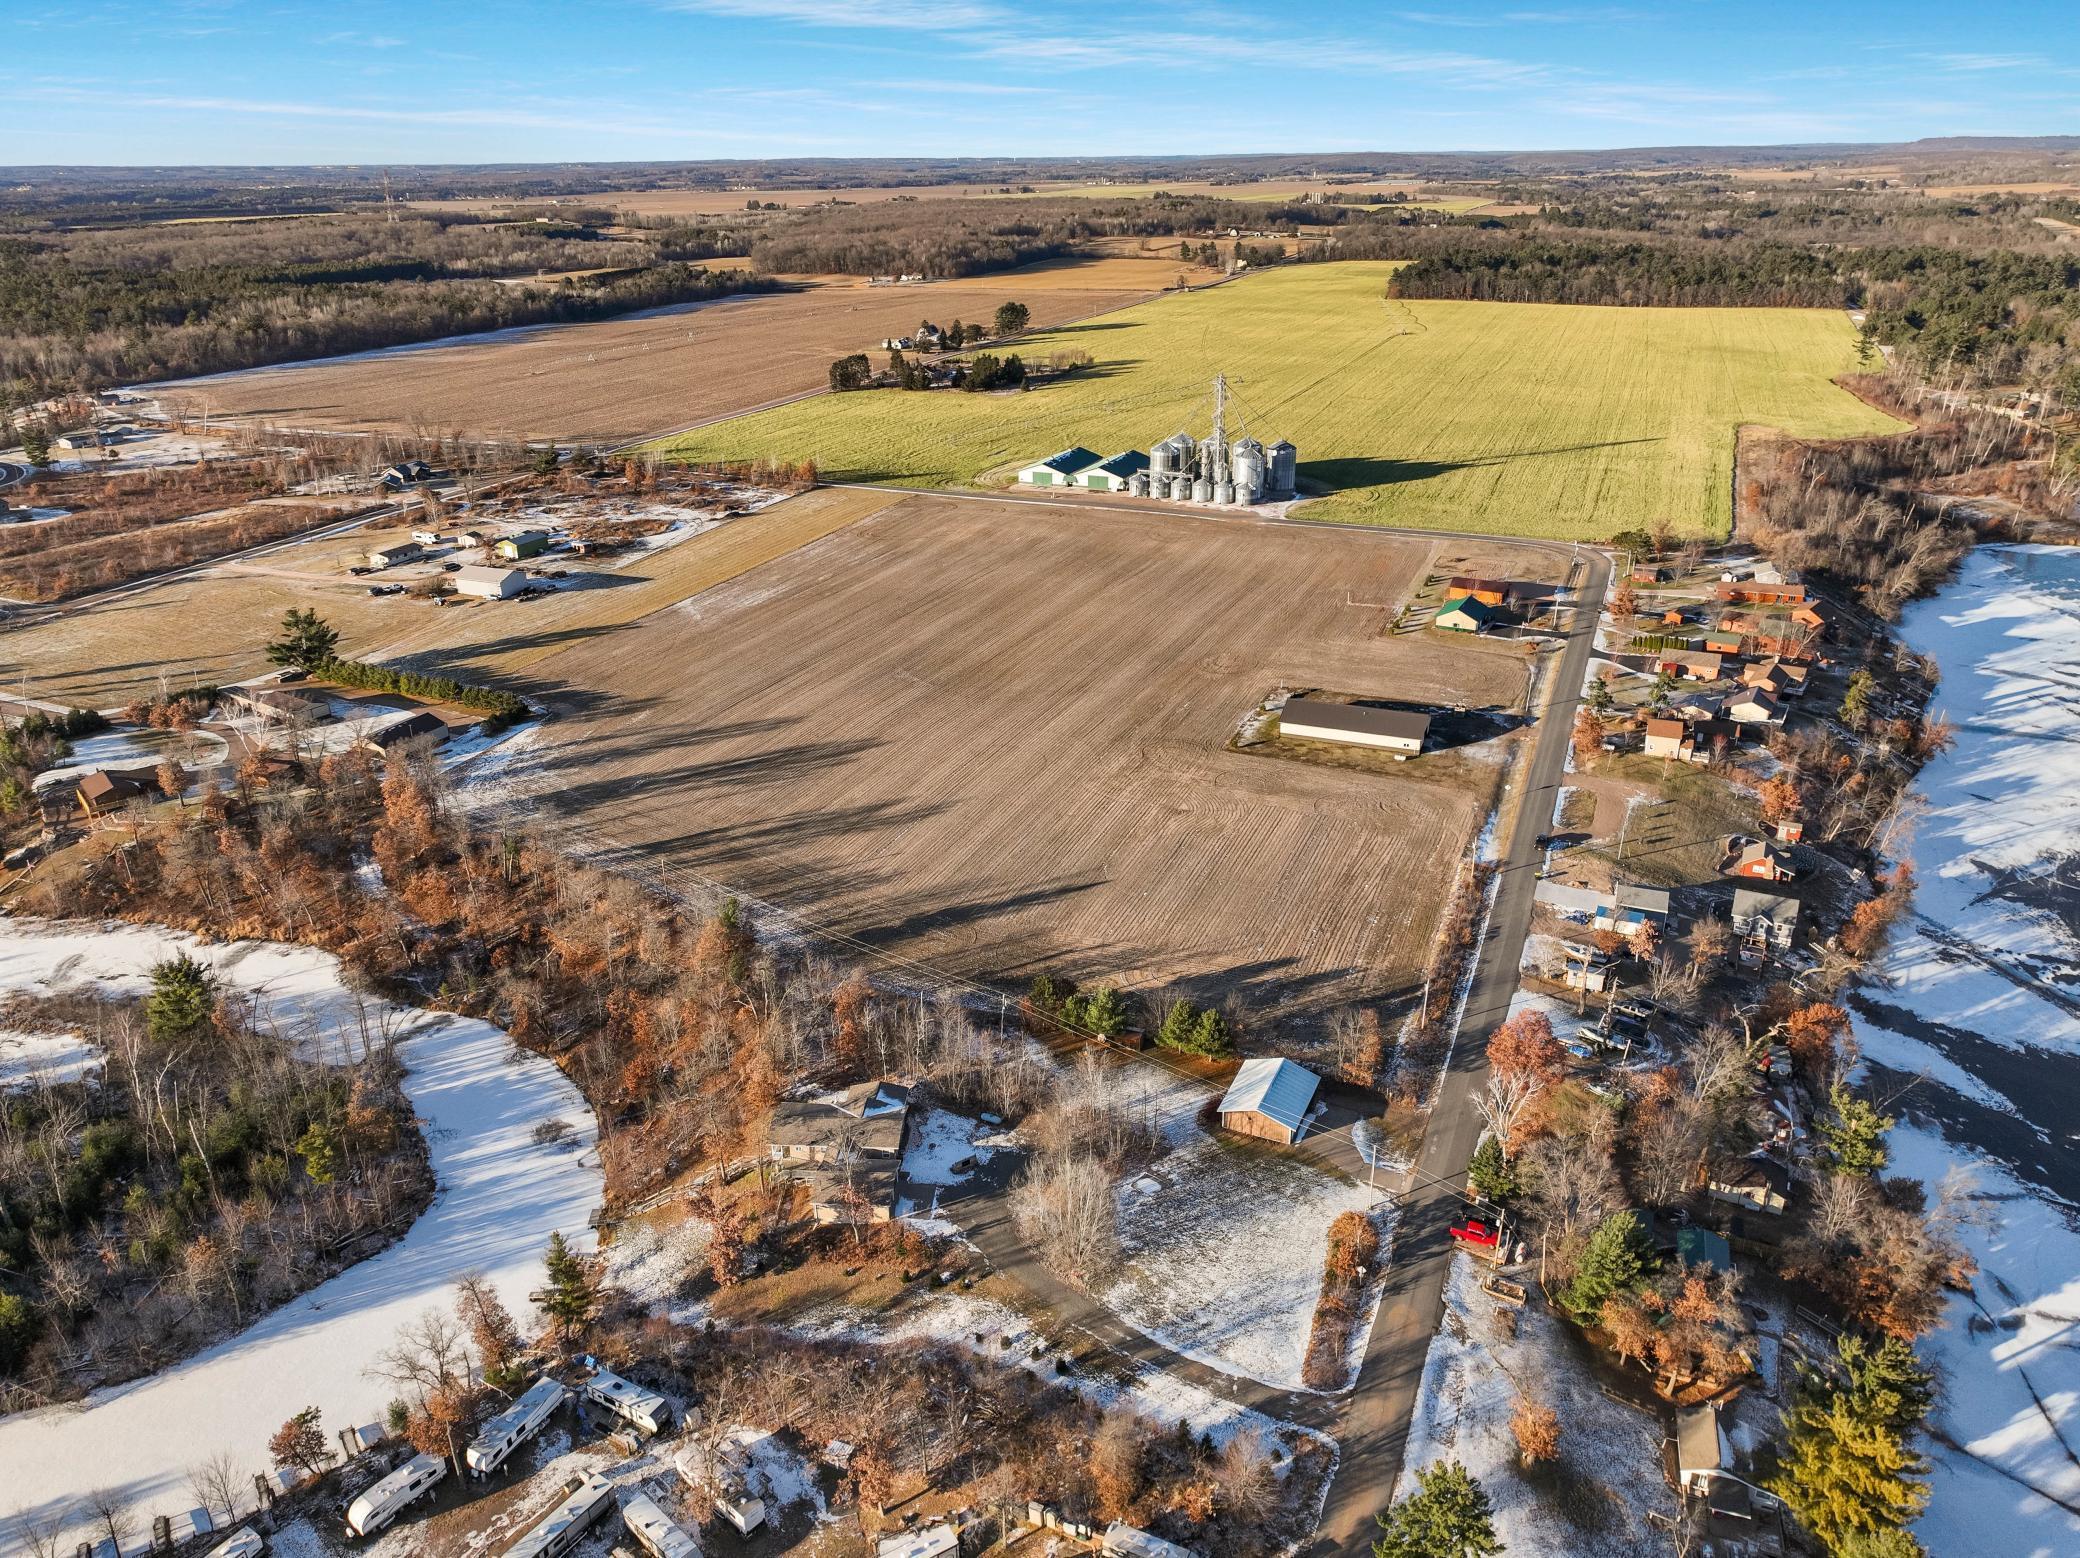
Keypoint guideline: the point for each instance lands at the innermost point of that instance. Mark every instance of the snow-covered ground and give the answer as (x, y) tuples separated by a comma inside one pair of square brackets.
[(1223, 1256), (1597, 1500), (1000, 1332), (29, 1058), (132, 748), (1980, 993), (500, 1196)]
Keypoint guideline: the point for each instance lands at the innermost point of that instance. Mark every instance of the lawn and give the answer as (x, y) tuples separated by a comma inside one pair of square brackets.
[(1507, 418)]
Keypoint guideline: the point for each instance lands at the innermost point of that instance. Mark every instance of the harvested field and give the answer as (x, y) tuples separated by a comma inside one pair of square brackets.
[(1512, 418), (992, 735), (723, 202), (617, 379), (212, 628)]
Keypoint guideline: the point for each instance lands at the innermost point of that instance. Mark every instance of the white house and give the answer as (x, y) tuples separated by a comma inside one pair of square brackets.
[(489, 583)]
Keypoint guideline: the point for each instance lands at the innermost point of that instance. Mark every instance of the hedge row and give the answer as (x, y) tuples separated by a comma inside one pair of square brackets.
[(501, 708)]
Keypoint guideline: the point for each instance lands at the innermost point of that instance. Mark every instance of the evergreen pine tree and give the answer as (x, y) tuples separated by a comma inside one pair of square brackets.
[(183, 995), (570, 1287), (307, 640), (1612, 1263), (1854, 1134), (1848, 1473), (1448, 1516)]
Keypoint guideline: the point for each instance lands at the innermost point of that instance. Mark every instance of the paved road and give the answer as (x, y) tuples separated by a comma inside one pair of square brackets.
[(1381, 1408)]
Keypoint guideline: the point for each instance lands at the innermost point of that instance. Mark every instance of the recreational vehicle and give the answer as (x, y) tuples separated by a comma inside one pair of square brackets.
[(644, 1409), (930, 1542), (585, 1500), (389, 1498), (514, 1426), (245, 1543), (656, 1532)]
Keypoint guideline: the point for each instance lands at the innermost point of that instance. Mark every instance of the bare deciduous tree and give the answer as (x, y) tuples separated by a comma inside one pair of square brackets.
[(218, 1483), (1065, 1207)]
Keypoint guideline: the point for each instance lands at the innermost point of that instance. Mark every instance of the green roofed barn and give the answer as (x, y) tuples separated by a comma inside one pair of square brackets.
[(1066, 469), (1464, 615)]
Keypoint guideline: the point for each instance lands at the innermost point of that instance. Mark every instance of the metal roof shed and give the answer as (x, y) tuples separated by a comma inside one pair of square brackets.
[(1270, 1098)]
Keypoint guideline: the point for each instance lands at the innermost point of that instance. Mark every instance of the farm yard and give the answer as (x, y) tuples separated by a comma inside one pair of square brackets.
[(213, 628), (646, 373), (966, 731), (1531, 419)]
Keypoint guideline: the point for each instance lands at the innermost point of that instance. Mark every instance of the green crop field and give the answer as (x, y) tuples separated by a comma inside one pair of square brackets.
[(1511, 418)]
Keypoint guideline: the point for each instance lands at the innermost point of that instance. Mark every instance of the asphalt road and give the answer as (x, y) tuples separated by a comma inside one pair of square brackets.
[(1382, 1406)]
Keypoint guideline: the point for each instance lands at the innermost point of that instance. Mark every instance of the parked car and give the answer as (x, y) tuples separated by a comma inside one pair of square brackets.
[(360, 572), (451, 567), (386, 589), (1476, 1231)]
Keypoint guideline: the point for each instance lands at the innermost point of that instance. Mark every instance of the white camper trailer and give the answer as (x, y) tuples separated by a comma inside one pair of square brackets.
[(655, 1531), (390, 1498), (732, 1502), (245, 1543), (513, 1427), (585, 1500), (644, 1409), (930, 1542)]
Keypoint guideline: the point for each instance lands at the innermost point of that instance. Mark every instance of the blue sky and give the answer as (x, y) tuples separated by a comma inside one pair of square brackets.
[(219, 81)]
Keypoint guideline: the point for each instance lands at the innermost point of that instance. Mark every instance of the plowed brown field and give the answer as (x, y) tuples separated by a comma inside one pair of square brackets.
[(624, 378), (993, 736)]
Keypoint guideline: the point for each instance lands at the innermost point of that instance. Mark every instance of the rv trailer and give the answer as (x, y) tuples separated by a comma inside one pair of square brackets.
[(513, 1427), (585, 1500), (655, 1531), (389, 1498)]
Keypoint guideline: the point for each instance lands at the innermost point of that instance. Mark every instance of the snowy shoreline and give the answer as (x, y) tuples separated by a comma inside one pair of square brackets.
[(500, 1196), (1982, 980)]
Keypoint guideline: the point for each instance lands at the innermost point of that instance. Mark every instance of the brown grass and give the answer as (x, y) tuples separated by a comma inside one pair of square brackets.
[(993, 735), (620, 379)]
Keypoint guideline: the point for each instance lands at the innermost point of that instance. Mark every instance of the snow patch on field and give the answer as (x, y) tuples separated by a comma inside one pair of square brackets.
[(1597, 1502), (653, 1257), (1224, 1265), (941, 1141), (500, 1196), (30, 1059)]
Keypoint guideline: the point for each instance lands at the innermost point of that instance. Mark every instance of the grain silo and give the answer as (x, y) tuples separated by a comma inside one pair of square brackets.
[(1137, 485), (1246, 467), (1283, 467)]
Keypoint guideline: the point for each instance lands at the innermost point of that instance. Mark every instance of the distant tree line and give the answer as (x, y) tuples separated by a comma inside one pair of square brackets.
[(101, 309)]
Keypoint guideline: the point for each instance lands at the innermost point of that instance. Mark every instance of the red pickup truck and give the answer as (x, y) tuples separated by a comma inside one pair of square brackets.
[(1476, 1231)]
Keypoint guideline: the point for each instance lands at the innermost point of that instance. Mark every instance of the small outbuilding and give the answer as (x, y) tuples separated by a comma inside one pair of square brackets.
[(1760, 860), (423, 725), (406, 473), (397, 552), (1758, 1184), (1400, 731), (487, 583), (1269, 1099), (1067, 469), (1465, 614), (523, 544), (1489, 592)]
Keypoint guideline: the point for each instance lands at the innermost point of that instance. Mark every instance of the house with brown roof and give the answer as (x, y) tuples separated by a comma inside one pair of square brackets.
[(1752, 707), (846, 1150), (108, 790), (1668, 738), (1759, 860), (1489, 592), (1776, 677), (1690, 664), (1754, 592), (282, 705)]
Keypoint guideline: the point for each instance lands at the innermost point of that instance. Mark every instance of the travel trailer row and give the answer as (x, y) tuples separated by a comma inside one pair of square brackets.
[(396, 1493), (640, 1408)]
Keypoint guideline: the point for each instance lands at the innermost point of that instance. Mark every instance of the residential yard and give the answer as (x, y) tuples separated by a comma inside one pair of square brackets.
[(1222, 1243), (1594, 1502), (1501, 417)]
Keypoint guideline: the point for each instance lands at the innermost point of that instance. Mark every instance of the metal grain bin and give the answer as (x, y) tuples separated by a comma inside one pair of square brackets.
[(1284, 466)]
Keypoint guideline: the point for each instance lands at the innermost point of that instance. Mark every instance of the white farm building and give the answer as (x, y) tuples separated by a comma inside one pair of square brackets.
[(489, 583), (1399, 731)]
